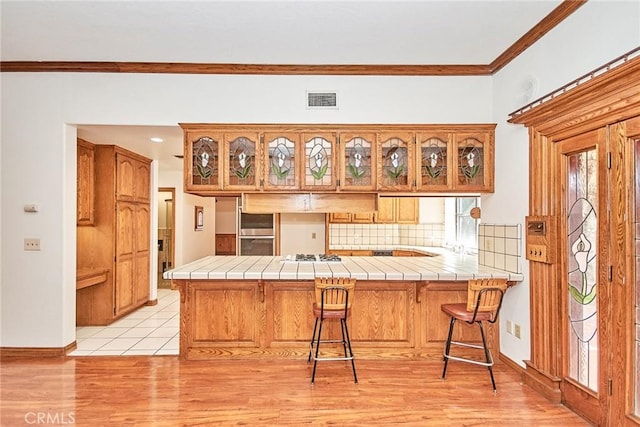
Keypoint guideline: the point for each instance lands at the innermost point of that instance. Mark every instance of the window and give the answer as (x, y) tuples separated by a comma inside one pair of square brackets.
[(460, 229)]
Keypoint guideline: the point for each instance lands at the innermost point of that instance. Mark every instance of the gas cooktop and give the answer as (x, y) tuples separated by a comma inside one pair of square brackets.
[(313, 258)]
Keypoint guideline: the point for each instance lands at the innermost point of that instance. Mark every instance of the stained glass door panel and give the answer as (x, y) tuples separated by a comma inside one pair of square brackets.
[(357, 158), (281, 161), (204, 162), (241, 167), (318, 162), (396, 161), (582, 266), (434, 161)]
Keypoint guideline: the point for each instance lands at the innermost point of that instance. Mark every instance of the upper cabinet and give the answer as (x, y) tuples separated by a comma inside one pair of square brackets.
[(395, 161), (358, 161), (455, 162), (405, 159)]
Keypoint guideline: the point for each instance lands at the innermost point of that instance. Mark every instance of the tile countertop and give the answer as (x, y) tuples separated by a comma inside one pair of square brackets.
[(446, 266)]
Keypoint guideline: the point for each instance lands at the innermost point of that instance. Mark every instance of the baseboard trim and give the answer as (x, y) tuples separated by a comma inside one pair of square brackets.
[(37, 352), (511, 364), (545, 384)]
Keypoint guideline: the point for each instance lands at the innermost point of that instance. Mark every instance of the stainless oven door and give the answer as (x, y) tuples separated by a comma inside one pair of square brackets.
[(257, 245)]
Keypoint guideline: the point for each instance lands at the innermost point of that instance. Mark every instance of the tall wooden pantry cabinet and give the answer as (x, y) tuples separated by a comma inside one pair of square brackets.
[(119, 238)]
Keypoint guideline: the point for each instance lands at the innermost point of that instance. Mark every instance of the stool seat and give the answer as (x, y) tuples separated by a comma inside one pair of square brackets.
[(330, 314), (459, 311)]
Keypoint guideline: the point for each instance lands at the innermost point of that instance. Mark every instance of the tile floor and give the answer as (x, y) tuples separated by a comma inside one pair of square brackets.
[(150, 330)]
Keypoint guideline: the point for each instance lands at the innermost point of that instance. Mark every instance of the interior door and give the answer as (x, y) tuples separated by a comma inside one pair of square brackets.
[(584, 274)]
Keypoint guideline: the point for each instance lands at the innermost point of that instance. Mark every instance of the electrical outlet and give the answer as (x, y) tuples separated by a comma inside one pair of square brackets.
[(509, 327), (516, 330), (488, 244), (313, 235), (31, 244)]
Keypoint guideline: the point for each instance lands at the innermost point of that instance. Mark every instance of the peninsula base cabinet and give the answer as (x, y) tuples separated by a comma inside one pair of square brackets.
[(262, 319), (119, 239)]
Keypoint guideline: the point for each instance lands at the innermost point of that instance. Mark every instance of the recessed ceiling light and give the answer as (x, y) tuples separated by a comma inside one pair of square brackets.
[(156, 139)]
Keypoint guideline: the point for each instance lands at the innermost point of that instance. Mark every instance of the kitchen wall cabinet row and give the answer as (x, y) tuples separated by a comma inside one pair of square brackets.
[(391, 210), (117, 240), (223, 159)]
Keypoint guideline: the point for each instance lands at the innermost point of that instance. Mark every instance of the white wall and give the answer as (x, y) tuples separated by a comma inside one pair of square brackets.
[(431, 210), (38, 159), (596, 33), (297, 231), (226, 214)]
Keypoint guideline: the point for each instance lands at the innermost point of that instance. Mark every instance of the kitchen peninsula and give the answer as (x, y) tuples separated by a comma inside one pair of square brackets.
[(261, 306)]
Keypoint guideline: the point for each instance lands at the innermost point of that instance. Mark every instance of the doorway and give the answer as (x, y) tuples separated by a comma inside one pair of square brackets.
[(166, 234)]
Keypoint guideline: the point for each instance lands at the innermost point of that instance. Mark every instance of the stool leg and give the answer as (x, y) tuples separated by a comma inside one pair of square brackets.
[(448, 346), (344, 340), (315, 360), (313, 337), (487, 355), (353, 364)]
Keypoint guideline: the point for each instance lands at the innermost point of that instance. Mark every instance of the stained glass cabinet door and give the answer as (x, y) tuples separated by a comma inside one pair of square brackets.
[(434, 161), (473, 162), (395, 161), (281, 157), (202, 161), (242, 168), (357, 161), (318, 165)]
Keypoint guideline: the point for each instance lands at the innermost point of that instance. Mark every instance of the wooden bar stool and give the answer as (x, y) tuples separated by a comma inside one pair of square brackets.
[(333, 300), (484, 299)]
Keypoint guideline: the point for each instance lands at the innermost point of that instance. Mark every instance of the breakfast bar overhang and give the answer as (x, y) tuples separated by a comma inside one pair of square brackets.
[(261, 306)]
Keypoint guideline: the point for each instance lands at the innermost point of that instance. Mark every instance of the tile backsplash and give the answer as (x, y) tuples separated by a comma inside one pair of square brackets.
[(387, 234), (500, 246)]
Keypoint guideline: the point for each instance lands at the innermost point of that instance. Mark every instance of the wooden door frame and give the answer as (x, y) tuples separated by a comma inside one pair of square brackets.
[(608, 98), (171, 190)]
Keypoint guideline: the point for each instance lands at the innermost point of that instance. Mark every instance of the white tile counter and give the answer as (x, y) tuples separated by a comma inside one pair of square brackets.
[(445, 266)]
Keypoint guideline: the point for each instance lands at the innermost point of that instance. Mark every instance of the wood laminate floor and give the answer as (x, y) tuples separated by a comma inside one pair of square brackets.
[(165, 391)]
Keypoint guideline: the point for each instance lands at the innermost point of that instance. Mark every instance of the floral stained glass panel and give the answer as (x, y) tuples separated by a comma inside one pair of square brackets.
[(318, 154), (357, 162), (205, 161), (582, 272), (242, 153), (282, 162)]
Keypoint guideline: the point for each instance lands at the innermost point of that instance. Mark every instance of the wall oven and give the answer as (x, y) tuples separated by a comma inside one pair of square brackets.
[(256, 234)]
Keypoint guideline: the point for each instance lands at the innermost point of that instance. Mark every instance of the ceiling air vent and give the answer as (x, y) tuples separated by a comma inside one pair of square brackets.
[(322, 99)]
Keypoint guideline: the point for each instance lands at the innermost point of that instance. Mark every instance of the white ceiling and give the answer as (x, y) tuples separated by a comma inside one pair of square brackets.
[(383, 32)]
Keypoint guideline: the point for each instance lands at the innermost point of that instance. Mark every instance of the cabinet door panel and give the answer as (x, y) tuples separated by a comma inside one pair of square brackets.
[(383, 313), (125, 177), (142, 183), (242, 166), (125, 256), (290, 315), (406, 210), (202, 161), (434, 159), (86, 184), (227, 315), (386, 211), (142, 254), (395, 161), (318, 163), (358, 161), (281, 159), (473, 162)]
